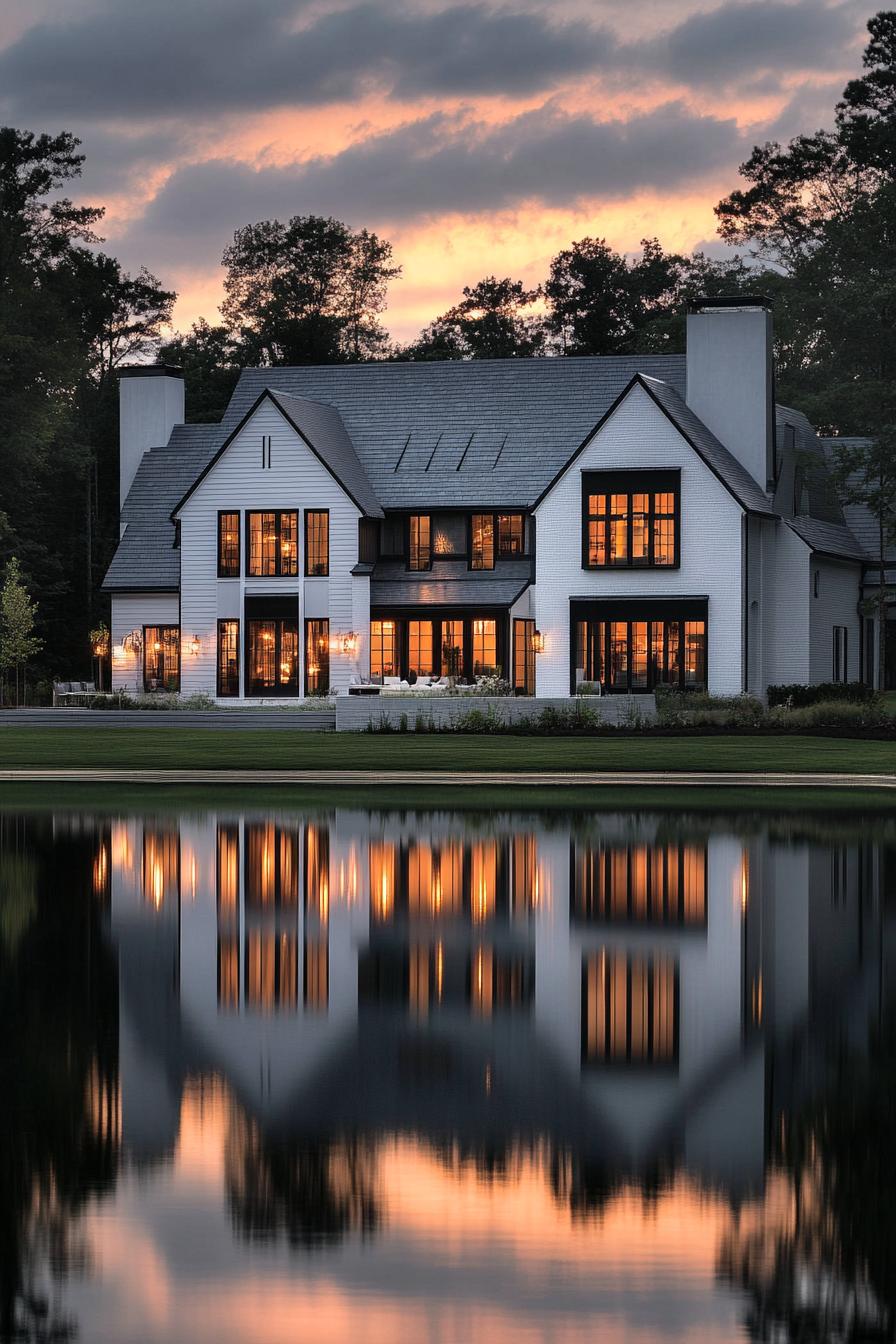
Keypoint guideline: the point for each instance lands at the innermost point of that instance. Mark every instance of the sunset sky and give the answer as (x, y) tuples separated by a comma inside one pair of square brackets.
[(479, 137)]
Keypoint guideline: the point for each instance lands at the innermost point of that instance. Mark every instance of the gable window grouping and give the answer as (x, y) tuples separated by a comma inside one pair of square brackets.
[(630, 519), (317, 542), (273, 544), (228, 545)]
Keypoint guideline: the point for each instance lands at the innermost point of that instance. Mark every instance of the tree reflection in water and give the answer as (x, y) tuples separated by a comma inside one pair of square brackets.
[(313, 1192), (818, 1253), (58, 1071)]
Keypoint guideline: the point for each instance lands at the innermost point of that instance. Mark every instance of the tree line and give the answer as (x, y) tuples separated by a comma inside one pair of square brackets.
[(812, 227)]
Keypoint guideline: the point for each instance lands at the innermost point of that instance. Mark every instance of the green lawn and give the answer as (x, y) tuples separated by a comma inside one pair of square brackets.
[(174, 748)]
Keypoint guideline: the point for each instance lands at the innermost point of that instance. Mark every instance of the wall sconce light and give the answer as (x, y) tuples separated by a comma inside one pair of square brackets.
[(195, 646), (537, 641), (132, 642), (349, 642), (119, 653)]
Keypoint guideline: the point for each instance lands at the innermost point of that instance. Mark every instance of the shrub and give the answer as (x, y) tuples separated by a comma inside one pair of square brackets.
[(697, 709), (481, 721), (798, 696), (588, 688), (493, 684), (831, 714)]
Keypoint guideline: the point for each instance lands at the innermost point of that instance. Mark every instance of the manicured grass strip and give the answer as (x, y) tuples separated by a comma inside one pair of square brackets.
[(173, 748), (848, 807)]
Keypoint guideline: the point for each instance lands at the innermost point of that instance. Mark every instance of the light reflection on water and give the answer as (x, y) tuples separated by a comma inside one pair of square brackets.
[(440, 1077)]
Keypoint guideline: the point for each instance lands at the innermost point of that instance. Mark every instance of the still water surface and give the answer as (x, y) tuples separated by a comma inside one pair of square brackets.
[(343, 1075)]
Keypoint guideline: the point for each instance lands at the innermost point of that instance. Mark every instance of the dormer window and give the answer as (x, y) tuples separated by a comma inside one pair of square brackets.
[(630, 519), (511, 536), (273, 544), (482, 541), (419, 541)]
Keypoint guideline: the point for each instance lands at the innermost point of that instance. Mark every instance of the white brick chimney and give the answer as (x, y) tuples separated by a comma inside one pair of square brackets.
[(730, 370), (150, 404)]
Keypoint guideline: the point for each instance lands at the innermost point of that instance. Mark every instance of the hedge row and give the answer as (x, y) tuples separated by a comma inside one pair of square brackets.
[(799, 697)]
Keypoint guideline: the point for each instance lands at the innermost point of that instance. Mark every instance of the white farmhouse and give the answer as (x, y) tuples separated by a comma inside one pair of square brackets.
[(629, 521)]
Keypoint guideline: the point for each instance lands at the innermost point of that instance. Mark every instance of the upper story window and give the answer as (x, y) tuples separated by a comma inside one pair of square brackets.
[(482, 541), (273, 544), (419, 543), (630, 519), (317, 542), (228, 545), (511, 536)]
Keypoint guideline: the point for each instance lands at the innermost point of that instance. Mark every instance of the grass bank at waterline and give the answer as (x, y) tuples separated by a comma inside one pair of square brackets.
[(175, 749)]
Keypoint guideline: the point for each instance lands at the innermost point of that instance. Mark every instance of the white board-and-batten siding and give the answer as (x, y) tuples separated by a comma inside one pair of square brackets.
[(639, 436), (130, 612), (238, 483)]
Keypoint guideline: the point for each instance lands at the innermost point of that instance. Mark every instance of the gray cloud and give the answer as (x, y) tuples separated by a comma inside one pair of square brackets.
[(733, 42), (165, 58), (435, 166), (171, 58)]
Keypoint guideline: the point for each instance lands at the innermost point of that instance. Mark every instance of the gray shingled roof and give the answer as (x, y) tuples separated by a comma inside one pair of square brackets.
[(454, 434), (323, 428), (828, 538), (716, 456), (146, 557), (449, 583), (462, 433)]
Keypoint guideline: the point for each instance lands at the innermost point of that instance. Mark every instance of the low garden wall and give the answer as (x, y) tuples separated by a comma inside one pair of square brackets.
[(355, 713)]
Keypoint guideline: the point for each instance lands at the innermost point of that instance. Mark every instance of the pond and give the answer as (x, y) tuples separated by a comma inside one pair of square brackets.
[(335, 1074)]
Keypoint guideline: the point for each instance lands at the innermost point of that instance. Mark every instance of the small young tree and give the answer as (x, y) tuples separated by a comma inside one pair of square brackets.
[(18, 642), (866, 474)]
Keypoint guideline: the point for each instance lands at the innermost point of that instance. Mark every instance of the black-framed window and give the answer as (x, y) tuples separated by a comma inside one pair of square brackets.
[(419, 541), (438, 641), (631, 520), (384, 649), (482, 541), (228, 545), (161, 657), (523, 657), (840, 653), (272, 543), (639, 883), (511, 536), (629, 1009), (228, 658), (272, 665), (317, 542), (317, 656)]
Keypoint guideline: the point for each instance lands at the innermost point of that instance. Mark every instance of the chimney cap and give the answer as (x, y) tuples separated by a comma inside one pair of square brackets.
[(150, 371), (732, 301)]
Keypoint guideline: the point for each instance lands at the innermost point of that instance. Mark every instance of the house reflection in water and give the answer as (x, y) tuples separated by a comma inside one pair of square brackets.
[(621, 981)]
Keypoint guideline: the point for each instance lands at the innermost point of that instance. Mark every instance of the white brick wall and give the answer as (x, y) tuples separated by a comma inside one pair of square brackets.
[(786, 607), (297, 480), (638, 435), (838, 596)]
